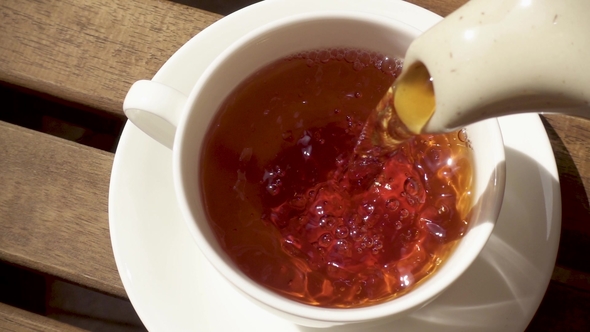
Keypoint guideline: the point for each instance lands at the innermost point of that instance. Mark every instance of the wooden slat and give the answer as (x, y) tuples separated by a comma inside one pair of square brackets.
[(53, 208), (440, 7), (91, 51), (53, 193), (570, 139), (15, 320)]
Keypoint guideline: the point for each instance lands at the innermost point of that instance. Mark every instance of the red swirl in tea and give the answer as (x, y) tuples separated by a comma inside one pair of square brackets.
[(301, 213)]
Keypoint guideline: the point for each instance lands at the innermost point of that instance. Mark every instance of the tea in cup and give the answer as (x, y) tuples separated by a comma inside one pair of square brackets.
[(283, 203)]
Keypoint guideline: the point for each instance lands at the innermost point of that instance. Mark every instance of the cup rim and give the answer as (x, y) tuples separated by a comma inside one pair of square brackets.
[(415, 299)]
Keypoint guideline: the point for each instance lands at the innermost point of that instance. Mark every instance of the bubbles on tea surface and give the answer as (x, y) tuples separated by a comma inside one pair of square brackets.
[(341, 232), (306, 152), (392, 204), (272, 180), (366, 242), (327, 222), (443, 210), (411, 186), (273, 188), (325, 240), (403, 214), (319, 210), (462, 135), (376, 210), (343, 248), (305, 143), (356, 234), (324, 56), (359, 59), (406, 280), (390, 65), (367, 210), (434, 228), (367, 213), (413, 191)]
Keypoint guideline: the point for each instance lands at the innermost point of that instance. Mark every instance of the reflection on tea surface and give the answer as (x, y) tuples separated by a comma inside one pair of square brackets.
[(304, 210)]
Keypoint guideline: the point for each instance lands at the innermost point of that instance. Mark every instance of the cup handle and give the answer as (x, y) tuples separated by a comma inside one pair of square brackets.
[(155, 108)]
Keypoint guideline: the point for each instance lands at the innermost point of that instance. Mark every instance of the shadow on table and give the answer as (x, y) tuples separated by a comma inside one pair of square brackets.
[(59, 118), (575, 236), (223, 7)]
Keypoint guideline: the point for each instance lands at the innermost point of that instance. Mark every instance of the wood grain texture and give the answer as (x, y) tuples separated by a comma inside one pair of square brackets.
[(53, 208), (91, 51), (570, 140), (440, 7), (15, 320), (53, 193)]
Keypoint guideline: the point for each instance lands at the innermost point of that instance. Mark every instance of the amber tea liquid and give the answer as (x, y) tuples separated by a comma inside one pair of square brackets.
[(301, 213)]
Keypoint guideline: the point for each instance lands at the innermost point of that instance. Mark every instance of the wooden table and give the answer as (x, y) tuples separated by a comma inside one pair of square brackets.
[(53, 192)]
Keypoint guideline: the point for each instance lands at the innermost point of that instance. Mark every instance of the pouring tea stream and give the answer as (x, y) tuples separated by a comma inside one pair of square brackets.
[(493, 58)]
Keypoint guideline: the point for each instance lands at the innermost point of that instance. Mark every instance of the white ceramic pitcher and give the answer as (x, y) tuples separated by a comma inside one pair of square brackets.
[(497, 57)]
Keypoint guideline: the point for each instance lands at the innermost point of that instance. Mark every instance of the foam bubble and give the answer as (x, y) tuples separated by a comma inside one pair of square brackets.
[(358, 57)]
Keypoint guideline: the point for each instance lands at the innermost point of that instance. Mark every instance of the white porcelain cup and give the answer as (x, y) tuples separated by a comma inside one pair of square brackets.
[(180, 122)]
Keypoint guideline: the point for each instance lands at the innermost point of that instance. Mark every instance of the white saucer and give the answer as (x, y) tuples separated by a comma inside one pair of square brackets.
[(173, 288)]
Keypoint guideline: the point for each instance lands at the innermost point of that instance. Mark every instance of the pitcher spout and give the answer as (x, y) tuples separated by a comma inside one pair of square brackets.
[(494, 58)]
